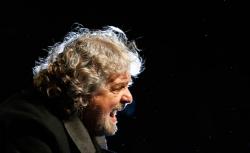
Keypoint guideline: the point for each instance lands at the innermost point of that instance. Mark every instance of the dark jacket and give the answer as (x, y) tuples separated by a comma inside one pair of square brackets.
[(28, 126)]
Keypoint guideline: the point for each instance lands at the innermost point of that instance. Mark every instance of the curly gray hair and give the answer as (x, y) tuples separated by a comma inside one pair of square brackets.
[(84, 61)]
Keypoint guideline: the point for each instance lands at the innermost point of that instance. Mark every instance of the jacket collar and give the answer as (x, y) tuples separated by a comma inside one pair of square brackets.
[(79, 134)]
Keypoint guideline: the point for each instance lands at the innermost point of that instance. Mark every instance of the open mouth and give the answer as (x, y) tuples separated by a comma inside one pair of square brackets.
[(113, 115)]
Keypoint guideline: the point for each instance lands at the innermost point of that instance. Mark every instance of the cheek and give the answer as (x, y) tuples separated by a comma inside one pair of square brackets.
[(115, 99), (111, 103), (105, 103)]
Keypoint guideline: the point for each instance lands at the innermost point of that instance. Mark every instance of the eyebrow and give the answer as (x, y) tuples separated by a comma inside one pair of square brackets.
[(129, 83)]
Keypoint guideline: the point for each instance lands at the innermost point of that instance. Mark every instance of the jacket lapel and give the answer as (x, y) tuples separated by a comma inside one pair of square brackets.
[(79, 135)]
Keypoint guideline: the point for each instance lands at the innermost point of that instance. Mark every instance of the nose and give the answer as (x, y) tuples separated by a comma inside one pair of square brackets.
[(127, 97)]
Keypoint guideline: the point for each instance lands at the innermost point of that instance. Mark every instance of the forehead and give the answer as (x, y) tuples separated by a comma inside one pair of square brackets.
[(121, 77)]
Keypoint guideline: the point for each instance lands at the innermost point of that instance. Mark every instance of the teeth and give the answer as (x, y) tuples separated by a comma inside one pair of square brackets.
[(113, 113)]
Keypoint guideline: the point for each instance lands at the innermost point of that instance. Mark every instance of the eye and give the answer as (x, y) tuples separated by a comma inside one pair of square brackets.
[(118, 87)]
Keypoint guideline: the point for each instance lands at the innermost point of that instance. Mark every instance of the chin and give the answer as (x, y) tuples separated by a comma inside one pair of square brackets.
[(106, 127), (106, 131), (110, 133), (110, 128)]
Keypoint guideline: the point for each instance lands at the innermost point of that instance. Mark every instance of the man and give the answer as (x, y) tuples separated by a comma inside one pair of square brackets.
[(78, 90)]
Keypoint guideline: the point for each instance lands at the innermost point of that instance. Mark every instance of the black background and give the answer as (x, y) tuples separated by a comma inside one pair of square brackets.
[(194, 93)]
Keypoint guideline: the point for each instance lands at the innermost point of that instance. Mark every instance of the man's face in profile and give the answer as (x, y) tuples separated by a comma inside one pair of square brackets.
[(100, 115)]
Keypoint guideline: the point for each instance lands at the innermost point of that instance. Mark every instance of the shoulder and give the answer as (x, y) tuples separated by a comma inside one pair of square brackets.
[(27, 106), (23, 116)]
